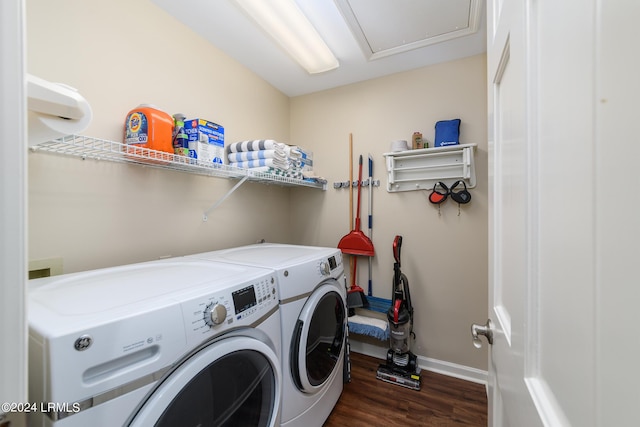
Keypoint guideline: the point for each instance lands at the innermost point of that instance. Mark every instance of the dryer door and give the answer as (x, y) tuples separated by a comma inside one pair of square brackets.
[(318, 339), (231, 382)]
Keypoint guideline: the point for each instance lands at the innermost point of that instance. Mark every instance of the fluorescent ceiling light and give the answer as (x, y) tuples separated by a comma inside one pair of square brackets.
[(286, 24)]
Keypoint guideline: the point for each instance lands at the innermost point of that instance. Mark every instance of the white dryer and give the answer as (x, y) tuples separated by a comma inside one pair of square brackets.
[(166, 343), (313, 310)]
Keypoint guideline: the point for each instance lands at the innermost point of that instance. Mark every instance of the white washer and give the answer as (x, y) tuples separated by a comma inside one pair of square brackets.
[(313, 310), (165, 343)]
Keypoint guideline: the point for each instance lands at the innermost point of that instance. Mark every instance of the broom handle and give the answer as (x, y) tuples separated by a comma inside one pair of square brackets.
[(359, 188), (370, 287), (351, 182), (353, 273), (351, 258)]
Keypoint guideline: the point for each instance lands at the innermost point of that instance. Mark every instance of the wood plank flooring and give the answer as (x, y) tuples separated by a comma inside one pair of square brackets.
[(441, 401)]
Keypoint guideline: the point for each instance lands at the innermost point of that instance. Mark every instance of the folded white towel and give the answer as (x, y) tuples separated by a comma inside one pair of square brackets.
[(292, 152)]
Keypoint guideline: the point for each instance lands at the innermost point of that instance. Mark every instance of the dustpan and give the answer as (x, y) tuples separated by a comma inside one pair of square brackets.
[(356, 242)]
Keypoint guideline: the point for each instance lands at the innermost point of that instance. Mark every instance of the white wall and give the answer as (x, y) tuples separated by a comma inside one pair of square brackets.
[(120, 54), (444, 256)]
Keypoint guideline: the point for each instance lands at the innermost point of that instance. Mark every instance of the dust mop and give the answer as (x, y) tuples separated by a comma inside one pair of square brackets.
[(380, 305), (373, 327)]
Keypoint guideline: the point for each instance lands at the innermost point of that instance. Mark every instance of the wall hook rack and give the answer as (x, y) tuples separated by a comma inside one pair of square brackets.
[(364, 183)]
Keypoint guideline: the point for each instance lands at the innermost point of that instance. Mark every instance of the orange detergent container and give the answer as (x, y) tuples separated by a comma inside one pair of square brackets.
[(148, 128)]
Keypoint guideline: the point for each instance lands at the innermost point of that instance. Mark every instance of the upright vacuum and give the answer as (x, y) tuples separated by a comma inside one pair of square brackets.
[(401, 365)]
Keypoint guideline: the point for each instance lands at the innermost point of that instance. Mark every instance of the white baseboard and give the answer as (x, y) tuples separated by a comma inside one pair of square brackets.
[(439, 366)]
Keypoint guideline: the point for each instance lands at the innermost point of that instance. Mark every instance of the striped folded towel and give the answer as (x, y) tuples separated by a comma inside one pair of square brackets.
[(250, 164), (278, 172), (256, 145), (243, 156)]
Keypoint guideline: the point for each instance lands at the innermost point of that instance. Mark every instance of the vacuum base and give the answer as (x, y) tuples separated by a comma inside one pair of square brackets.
[(399, 377)]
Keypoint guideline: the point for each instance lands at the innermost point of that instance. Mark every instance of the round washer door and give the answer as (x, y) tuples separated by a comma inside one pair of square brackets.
[(231, 382), (318, 340)]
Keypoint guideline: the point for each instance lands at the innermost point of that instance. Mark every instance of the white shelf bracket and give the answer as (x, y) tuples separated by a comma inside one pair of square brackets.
[(205, 217)]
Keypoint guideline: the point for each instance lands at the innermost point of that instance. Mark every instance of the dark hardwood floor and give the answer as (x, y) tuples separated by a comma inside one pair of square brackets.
[(441, 401)]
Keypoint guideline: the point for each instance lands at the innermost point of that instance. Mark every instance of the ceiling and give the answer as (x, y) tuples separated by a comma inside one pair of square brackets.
[(370, 38)]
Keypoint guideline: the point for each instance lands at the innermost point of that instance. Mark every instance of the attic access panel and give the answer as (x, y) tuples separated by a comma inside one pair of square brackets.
[(388, 27)]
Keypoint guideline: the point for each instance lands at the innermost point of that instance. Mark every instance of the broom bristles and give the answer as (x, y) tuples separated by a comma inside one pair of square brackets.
[(356, 299)]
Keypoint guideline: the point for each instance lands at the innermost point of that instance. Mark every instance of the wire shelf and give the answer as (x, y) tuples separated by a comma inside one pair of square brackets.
[(101, 149)]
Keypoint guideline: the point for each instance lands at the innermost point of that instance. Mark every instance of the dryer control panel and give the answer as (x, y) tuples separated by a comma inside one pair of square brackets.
[(240, 305)]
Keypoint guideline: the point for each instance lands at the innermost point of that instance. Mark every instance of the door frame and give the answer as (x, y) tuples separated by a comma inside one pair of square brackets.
[(13, 209)]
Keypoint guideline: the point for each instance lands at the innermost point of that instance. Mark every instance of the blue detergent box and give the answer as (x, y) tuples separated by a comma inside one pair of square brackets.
[(206, 140)]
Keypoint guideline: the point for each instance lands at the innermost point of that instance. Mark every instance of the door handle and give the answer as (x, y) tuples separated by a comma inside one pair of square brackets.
[(486, 330)]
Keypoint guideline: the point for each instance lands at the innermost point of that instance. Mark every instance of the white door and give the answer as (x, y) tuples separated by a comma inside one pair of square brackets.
[(564, 226), (510, 188)]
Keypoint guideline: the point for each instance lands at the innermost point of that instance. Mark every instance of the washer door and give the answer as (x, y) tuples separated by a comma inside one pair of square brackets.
[(231, 382), (318, 340)]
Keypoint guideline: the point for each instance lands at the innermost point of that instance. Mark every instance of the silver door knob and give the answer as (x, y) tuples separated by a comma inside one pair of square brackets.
[(486, 330)]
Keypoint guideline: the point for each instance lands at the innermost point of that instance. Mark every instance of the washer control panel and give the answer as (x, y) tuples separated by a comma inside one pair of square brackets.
[(328, 265), (235, 306)]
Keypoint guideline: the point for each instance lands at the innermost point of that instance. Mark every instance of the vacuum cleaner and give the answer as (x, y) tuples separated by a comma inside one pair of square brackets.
[(401, 364)]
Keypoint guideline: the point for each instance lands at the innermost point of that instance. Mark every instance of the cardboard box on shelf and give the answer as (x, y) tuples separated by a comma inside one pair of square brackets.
[(206, 140)]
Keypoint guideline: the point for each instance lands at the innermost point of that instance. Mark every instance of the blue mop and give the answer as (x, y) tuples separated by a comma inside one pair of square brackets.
[(370, 326)]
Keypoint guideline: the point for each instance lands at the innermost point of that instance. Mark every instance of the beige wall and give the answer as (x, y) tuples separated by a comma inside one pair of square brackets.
[(118, 55), (96, 214), (444, 256)]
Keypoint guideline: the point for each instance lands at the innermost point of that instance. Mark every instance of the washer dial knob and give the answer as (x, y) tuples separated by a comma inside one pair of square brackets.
[(215, 314), (325, 269)]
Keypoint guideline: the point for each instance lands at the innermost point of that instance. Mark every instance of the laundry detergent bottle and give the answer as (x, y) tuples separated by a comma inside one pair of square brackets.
[(148, 127)]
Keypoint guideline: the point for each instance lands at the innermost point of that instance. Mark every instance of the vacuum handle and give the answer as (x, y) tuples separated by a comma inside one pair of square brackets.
[(397, 244), (407, 296)]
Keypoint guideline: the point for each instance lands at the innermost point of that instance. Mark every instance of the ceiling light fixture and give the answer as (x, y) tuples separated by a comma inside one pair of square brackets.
[(286, 24)]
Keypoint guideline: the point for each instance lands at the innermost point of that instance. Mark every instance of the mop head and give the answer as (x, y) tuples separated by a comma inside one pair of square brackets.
[(373, 327)]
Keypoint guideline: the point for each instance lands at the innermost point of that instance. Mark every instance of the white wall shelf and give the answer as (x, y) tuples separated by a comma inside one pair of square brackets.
[(100, 149), (421, 169)]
